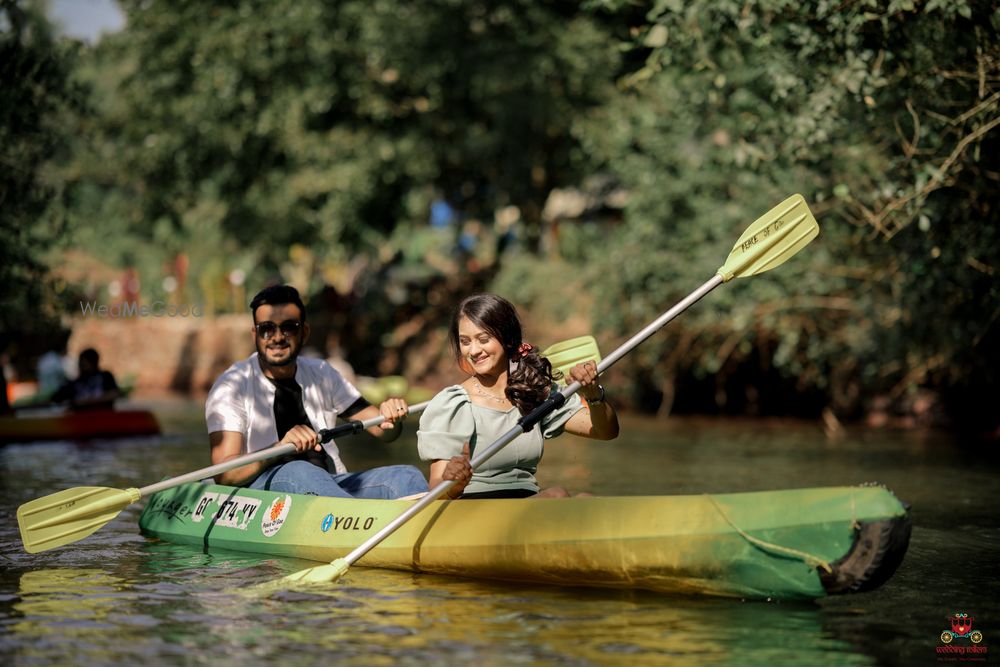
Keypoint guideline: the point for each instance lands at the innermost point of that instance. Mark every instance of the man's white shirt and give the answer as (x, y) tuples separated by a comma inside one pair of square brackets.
[(242, 401)]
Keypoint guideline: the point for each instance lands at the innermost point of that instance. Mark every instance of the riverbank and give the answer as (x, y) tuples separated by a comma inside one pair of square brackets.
[(182, 356)]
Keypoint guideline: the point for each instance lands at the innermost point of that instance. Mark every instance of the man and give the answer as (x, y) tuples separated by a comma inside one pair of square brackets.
[(275, 398), (92, 389)]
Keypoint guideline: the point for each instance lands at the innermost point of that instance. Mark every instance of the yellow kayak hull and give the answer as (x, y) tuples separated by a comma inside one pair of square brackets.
[(804, 543)]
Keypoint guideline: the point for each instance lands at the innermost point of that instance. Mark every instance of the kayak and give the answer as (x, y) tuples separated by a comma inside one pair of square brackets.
[(75, 425), (788, 544)]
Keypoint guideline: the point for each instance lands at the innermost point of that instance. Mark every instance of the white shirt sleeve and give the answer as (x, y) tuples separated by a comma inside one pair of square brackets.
[(225, 407), (341, 393)]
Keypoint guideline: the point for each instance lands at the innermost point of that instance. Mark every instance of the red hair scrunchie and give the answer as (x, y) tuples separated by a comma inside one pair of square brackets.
[(522, 350)]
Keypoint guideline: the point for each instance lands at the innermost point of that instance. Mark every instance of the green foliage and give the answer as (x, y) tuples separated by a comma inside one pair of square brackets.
[(884, 118), (252, 126), (305, 140), (38, 93)]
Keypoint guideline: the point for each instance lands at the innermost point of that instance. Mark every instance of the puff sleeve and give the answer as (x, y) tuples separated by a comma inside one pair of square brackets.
[(552, 424), (446, 425)]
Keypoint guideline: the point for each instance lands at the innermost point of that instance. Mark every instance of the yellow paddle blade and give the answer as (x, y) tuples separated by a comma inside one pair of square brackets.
[(320, 574), (568, 353), (70, 515), (771, 239)]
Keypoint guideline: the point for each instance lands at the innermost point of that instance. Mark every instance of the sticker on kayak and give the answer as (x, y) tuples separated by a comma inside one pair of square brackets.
[(172, 509), (274, 517), (346, 523), (234, 511)]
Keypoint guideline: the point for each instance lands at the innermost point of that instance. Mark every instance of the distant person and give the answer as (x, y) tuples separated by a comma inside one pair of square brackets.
[(51, 374), (275, 397), (92, 389), (442, 214), (508, 378)]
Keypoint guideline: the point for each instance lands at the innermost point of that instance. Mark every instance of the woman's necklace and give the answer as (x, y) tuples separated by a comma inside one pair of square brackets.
[(482, 392)]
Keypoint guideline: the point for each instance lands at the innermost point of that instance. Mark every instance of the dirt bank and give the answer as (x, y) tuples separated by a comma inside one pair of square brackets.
[(176, 354)]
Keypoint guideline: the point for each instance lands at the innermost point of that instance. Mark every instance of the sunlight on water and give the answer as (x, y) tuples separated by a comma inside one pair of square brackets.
[(379, 617), (118, 598)]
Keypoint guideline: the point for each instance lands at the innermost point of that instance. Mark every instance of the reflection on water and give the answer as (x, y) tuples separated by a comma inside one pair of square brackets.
[(118, 598), (383, 617), (79, 599)]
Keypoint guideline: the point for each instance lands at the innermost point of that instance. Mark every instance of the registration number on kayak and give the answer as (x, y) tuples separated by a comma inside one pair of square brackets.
[(233, 511)]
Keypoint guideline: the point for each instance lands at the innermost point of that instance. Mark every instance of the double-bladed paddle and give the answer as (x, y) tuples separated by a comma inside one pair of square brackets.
[(71, 515), (768, 242)]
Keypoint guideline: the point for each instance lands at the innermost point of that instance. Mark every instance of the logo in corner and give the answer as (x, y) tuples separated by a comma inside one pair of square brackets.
[(961, 628), (274, 517)]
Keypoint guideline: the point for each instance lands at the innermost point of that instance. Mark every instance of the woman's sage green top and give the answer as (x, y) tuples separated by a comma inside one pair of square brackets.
[(451, 420)]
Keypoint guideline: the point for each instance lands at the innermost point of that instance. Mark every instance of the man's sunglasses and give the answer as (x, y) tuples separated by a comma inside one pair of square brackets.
[(288, 328)]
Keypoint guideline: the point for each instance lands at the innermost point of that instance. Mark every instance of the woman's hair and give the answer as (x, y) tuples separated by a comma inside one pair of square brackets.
[(529, 382)]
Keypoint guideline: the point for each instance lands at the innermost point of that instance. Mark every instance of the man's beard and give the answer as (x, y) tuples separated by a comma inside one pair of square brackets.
[(262, 354)]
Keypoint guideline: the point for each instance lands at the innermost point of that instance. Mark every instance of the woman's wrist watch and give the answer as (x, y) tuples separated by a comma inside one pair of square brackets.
[(599, 399)]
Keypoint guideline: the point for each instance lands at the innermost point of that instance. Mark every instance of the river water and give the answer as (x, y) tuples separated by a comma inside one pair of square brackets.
[(117, 598)]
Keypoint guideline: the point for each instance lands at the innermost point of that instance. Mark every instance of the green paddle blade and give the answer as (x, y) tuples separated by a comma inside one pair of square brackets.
[(771, 239), (70, 515), (320, 574), (568, 353)]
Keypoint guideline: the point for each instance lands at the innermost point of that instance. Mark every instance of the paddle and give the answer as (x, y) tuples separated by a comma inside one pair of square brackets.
[(568, 353), (767, 243), (71, 515)]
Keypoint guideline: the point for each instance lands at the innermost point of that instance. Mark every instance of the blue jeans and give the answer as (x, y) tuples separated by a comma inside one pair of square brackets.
[(386, 482)]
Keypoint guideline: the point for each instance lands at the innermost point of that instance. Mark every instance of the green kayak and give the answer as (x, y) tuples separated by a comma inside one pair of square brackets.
[(805, 543)]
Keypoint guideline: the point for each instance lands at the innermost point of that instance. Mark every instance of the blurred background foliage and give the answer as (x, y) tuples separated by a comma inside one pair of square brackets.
[(592, 161)]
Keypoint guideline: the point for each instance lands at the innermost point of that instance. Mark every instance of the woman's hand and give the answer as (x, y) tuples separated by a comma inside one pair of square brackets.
[(393, 410), (460, 470), (599, 420), (586, 374)]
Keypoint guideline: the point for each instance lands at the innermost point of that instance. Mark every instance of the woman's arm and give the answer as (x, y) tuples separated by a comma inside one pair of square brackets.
[(457, 468), (599, 419)]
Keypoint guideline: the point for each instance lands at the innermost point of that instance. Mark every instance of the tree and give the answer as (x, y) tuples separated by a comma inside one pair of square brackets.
[(38, 93), (251, 127), (885, 117)]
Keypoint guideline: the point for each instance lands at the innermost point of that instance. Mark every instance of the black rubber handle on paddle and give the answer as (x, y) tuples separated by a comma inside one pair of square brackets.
[(354, 426), (347, 428), (528, 421)]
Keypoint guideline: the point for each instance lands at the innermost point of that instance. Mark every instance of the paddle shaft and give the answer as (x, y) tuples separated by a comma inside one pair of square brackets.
[(768, 242), (326, 435), (528, 421)]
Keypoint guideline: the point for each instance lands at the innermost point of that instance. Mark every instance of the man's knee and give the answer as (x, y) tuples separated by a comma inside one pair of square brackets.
[(410, 479), (298, 468), (298, 477)]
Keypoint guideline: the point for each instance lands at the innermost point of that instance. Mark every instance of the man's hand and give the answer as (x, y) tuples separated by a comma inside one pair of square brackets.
[(303, 437), (393, 410)]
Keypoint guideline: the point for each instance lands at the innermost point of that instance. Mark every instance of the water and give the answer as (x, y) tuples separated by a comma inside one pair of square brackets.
[(117, 598)]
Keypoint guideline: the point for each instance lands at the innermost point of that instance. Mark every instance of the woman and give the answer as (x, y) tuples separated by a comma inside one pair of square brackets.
[(507, 378)]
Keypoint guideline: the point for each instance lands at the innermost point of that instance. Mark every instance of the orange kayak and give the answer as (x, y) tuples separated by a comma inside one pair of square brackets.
[(75, 425)]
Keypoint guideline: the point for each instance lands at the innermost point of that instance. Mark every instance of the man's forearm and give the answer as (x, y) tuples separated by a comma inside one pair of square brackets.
[(245, 474)]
